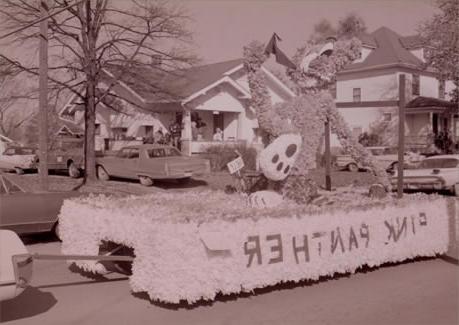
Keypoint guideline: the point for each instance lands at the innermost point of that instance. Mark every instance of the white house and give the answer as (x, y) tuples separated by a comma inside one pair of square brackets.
[(374, 78), (217, 95)]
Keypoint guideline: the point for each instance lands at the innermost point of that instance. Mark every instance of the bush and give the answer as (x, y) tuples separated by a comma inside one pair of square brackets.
[(220, 155)]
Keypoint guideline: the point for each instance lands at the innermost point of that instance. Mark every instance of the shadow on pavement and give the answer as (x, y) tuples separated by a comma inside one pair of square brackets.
[(30, 303)]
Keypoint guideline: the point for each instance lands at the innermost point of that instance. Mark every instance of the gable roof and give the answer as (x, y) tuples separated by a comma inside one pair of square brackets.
[(391, 50), (176, 85)]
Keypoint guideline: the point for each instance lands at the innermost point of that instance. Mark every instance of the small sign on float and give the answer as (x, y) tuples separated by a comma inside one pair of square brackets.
[(235, 165)]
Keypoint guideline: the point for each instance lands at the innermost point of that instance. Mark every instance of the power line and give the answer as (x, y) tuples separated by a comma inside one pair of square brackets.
[(40, 20)]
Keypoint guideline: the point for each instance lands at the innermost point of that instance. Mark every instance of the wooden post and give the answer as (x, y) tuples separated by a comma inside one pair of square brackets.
[(43, 98), (401, 134), (327, 157)]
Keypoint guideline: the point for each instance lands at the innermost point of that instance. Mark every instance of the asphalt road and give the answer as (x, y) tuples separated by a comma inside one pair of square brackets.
[(418, 292)]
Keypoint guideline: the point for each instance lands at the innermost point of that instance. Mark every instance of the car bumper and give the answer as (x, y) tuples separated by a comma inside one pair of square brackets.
[(421, 183)]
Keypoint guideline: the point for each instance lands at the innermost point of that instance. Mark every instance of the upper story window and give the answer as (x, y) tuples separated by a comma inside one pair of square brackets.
[(97, 130), (416, 85), (441, 89), (356, 94)]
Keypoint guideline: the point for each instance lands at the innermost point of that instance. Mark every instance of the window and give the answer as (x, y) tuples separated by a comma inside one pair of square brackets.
[(163, 152), (441, 89), (133, 153), (387, 117), (119, 133), (97, 130), (356, 94), (415, 85)]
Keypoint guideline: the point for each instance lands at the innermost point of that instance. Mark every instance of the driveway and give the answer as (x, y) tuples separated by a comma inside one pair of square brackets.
[(424, 291)]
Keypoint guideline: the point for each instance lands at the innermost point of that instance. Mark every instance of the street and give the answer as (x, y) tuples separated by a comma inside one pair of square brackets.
[(424, 291)]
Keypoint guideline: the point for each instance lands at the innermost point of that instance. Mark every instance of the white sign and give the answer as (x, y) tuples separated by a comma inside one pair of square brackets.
[(235, 165)]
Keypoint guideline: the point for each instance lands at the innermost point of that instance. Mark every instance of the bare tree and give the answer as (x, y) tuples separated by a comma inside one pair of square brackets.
[(11, 119), (92, 35)]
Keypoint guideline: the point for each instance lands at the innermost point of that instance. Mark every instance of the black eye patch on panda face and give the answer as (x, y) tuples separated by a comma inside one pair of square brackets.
[(290, 151), (275, 158)]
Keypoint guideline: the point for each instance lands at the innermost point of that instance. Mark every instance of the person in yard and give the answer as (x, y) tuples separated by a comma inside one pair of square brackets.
[(218, 136), (175, 130)]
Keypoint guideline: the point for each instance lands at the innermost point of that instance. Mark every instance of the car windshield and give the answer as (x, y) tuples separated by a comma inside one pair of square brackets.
[(439, 163), (6, 186), (163, 152)]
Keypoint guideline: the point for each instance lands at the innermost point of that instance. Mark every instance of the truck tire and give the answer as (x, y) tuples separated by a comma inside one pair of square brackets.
[(74, 172), (353, 167)]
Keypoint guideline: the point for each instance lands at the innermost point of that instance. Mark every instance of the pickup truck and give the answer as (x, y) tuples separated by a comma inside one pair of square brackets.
[(149, 162)]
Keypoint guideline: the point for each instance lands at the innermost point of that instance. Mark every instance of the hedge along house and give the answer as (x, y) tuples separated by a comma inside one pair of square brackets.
[(201, 98), (367, 89)]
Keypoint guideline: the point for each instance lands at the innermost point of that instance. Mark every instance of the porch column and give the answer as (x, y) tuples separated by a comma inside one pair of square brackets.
[(186, 133), (240, 126)]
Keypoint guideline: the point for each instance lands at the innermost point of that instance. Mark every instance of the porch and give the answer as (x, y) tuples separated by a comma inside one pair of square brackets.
[(432, 121), (206, 128)]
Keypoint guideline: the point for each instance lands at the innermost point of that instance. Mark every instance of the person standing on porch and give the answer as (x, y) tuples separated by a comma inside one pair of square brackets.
[(218, 136), (175, 129)]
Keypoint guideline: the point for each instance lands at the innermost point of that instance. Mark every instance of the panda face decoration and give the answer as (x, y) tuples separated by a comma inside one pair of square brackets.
[(278, 158)]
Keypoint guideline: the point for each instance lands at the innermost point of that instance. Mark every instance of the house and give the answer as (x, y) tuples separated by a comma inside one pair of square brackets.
[(201, 98), (373, 79)]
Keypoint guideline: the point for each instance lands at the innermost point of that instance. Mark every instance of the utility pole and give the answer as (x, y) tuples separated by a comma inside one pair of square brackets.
[(43, 98), (401, 134)]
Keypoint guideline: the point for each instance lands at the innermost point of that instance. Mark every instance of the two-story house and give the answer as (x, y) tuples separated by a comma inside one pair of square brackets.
[(374, 78)]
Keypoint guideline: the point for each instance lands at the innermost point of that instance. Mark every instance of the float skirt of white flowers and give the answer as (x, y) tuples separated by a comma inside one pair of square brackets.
[(193, 246)]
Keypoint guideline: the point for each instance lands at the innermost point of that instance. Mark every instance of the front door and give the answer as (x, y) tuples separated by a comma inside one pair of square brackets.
[(218, 122)]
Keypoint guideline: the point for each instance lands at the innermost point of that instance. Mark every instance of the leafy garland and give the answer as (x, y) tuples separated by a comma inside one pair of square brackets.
[(307, 113)]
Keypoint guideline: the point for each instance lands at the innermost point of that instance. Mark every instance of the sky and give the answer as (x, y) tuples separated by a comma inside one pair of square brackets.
[(222, 27)]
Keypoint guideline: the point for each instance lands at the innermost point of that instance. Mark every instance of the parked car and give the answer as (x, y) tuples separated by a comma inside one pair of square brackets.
[(15, 265), (434, 173), (66, 160), (29, 212), (18, 159), (149, 162), (387, 156)]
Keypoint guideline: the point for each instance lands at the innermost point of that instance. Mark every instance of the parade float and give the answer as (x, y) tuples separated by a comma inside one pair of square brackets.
[(194, 245)]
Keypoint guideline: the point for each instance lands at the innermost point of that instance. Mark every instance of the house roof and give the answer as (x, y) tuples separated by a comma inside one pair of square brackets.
[(178, 84), (391, 50), (422, 101)]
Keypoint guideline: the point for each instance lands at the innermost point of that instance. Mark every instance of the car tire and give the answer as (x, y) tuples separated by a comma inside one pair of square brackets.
[(56, 231), (19, 171), (353, 167), (102, 174), (145, 181), (74, 172)]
